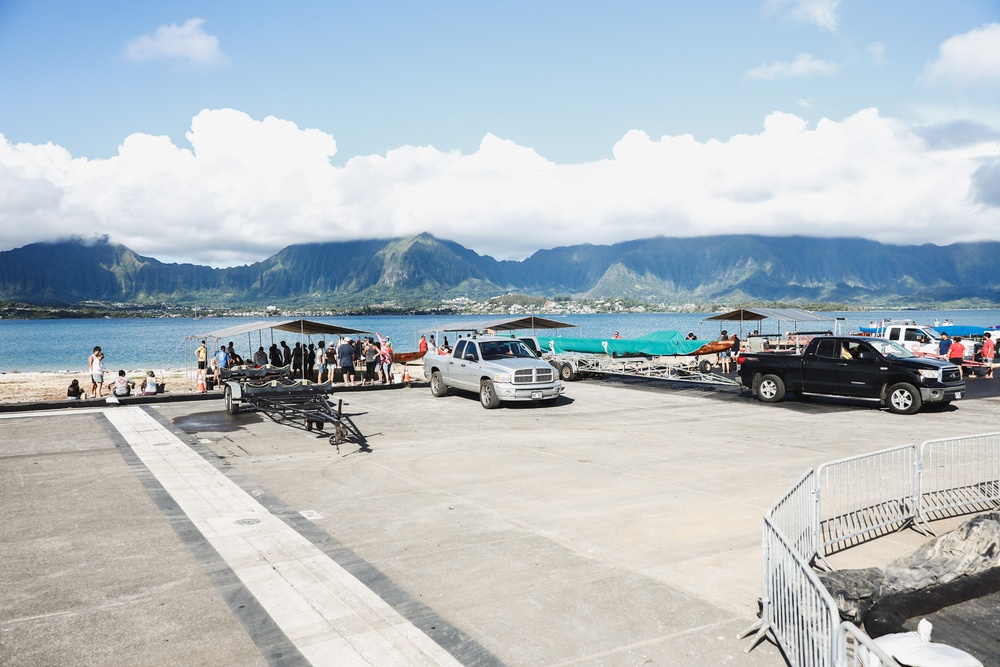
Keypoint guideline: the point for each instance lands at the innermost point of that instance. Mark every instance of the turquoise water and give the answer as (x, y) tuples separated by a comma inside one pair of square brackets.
[(136, 344)]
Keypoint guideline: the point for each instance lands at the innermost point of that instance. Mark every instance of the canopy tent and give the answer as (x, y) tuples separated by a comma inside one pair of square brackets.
[(780, 314), (531, 322), (300, 326), (792, 315)]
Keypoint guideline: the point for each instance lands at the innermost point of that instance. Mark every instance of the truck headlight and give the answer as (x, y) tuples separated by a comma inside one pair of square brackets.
[(502, 377), (930, 374)]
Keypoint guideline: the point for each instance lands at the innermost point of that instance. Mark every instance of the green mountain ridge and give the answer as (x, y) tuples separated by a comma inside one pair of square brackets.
[(423, 271)]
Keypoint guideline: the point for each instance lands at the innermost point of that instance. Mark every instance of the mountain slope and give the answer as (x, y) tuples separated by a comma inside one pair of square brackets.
[(423, 270)]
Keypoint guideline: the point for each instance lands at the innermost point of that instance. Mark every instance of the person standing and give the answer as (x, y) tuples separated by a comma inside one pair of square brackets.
[(943, 345), (986, 354), (99, 371), (275, 355), (201, 354), (345, 357), (95, 382), (320, 360), (286, 354), (297, 361), (221, 361), (423, 345), (309, 362), (371, 360), (956, 354)]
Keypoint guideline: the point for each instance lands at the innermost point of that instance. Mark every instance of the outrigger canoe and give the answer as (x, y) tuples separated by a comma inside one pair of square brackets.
[(656, 344), (407, 357)]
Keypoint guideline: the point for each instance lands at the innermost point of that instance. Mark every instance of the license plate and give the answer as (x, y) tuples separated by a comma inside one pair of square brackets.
[(536, 394), (958, 394)]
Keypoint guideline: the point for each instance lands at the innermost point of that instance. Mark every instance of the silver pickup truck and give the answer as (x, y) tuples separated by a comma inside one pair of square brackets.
[(498, 368)]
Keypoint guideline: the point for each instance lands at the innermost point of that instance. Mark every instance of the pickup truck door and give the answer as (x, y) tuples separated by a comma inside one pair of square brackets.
[(819, 370), (860, 374), (465, 371)]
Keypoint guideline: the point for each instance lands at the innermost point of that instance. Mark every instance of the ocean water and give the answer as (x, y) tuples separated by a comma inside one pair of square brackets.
[(140, 344)]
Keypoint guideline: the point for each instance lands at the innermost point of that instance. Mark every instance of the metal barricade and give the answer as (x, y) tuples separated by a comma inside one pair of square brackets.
[(959, 476), (793, 515), (798, 610), (856, 649), (865, 496)]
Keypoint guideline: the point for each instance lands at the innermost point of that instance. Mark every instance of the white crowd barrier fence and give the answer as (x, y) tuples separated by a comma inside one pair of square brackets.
[(847, 502)]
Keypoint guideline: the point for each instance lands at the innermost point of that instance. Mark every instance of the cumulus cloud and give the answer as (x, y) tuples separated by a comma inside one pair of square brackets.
[(972, 58), (242, 188), (822, 13), (188, 43), (803, 65)]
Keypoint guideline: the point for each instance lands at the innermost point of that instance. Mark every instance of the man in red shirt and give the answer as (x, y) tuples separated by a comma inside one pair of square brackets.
[(956, 353), (989, 349)]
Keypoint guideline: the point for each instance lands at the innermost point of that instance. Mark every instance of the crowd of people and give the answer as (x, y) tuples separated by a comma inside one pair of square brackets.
[(351, 360)]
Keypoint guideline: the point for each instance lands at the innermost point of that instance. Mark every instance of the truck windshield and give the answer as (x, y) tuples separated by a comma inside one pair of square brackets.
[(891, 350), (507, 349)]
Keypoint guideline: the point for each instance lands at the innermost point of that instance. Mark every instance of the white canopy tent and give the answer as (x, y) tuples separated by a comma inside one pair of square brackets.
[(306, 329)]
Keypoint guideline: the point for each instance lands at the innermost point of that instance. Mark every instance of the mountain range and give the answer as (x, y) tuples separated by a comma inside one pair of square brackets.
[(423, 271)]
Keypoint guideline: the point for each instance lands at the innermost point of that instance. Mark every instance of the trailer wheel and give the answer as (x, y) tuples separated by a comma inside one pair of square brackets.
[(770, 389), (438, 387), (566, 373), (232, 407), (488, 395), (705, 366), (903, 399)]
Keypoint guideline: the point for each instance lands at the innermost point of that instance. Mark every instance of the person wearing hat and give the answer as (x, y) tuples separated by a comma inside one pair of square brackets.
[(345, 358)]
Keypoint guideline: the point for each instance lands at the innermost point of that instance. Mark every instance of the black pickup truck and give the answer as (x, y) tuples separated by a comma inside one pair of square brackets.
[(856, 367)]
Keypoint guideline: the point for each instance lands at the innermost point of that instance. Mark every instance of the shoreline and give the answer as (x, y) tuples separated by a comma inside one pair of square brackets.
[(30, 386)]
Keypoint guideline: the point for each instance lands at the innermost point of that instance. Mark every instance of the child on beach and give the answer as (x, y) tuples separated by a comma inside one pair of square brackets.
[(97, 373), (75, 392)]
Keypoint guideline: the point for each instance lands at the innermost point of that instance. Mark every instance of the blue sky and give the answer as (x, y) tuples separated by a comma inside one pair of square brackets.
[(220, 132)]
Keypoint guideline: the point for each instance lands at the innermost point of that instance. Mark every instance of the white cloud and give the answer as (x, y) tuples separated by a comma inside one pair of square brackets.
[(187, 42), (822, 13), (245, 188), (969, 59), (876, 52), (803, 65)]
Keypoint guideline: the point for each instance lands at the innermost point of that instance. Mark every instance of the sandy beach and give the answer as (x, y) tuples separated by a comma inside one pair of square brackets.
[(51, 386)]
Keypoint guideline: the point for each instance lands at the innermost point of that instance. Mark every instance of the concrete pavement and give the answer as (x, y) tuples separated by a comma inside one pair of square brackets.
[(619, 527)]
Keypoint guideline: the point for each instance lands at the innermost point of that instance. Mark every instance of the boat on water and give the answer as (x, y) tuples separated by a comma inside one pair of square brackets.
[(656, 344)]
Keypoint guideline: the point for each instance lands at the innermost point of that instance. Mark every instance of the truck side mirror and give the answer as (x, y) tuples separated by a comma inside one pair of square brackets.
[(469, 356), (866, 355)]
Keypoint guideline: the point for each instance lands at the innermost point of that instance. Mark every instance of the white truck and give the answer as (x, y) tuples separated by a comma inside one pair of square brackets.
[(497, 368), (914, 337)]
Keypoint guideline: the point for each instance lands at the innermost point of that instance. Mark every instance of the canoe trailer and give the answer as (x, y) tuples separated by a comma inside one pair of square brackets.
[(676, 369), (297, 403)]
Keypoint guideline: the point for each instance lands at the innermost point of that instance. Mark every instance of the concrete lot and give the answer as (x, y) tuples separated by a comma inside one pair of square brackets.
[(619, 527)]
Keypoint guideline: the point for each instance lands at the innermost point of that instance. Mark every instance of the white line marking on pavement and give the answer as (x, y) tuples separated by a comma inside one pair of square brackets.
[(330, 616)]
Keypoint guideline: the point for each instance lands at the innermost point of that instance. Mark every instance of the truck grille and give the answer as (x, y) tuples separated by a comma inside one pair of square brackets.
[(950, 374), (532, 375)]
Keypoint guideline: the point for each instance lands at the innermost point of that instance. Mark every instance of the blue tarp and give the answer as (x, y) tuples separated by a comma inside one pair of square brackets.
[(656, 344)]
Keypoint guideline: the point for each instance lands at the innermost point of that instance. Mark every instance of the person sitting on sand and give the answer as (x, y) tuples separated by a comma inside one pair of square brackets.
[(75, 392), (122, 386), (150, 384)]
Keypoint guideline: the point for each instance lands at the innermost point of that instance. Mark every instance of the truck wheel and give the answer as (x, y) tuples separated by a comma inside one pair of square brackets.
[(438, 387), (488, 395), (232, 407), (770, 389), (903, 399), (566, 373)]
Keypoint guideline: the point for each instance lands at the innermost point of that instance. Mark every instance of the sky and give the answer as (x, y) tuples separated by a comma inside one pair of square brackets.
[(218, 133)]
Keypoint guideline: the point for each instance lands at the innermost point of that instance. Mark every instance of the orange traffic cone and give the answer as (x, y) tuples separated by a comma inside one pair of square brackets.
[(200, 387), (406, 373)]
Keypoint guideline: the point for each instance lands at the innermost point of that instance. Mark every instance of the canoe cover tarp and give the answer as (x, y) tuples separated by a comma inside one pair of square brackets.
[(656, 344)]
